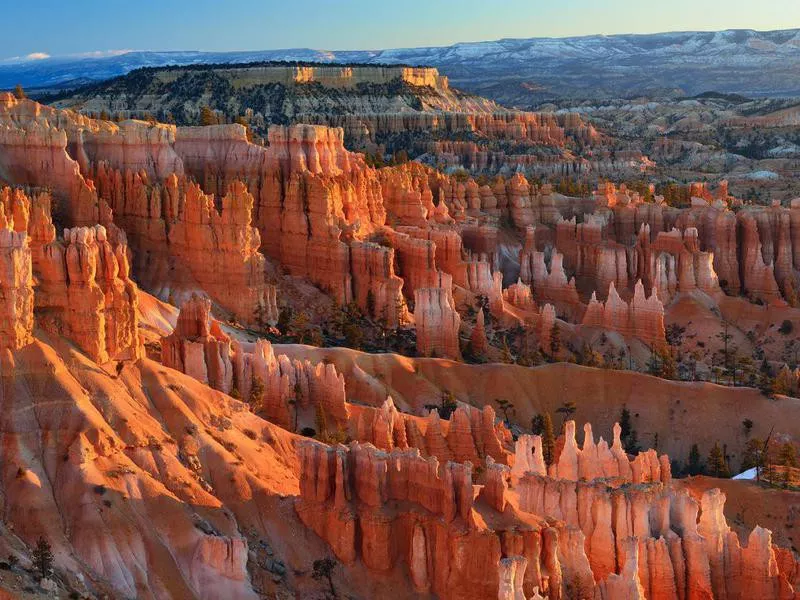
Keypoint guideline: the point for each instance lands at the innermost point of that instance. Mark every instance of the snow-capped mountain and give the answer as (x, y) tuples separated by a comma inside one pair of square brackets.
[(515, 71)]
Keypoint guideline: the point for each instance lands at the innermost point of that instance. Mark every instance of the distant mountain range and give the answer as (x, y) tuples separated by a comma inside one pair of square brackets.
[(515, 71)]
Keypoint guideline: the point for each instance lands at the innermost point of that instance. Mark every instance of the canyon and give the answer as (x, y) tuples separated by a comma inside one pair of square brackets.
[(227, 358)]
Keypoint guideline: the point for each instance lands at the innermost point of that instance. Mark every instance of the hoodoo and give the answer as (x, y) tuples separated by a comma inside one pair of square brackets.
[(346, 329)]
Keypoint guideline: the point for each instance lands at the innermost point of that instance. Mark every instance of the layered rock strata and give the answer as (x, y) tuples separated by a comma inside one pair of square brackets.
[(16, 290), (438, 324), (642, 318), (85, 293)]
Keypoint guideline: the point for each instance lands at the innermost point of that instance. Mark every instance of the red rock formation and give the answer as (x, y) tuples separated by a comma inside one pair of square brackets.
[(16, 293), (478, 342), (438, 324), (198, 347), (286, 392), (186, 242), (546, 322), (211, 243), (758, 277), (375, 284), (643, 318), (674, 263), (519, 295), (313, 192), (85, 293), (716, 227), (551, 286), (365, 489), (481, 280), (33, 151), (591, 461), (676, 557)]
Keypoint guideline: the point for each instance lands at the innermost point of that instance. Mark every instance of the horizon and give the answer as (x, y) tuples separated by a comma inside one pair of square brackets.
[(380, 29), (100, 54)]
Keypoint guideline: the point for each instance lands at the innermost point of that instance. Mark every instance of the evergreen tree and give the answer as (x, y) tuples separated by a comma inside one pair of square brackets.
[(370, 304), (787, 456), (548, 440), (695, 465), (505, 407), (628, 435), (43, 557), (256, 398), (555, 341), (295, 401), (537, 425), (716, 462), (207, 116), (753, 454), (567, 410), (19, 93), (323, 569)]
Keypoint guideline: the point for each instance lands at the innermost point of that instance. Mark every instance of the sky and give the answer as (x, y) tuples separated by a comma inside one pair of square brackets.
[(64, 27)]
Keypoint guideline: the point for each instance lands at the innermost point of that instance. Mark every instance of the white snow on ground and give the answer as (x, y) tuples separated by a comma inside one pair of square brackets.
[(749, 474), (758, 176)]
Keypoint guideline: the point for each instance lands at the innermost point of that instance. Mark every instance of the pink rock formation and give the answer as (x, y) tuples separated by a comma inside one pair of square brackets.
[(198, 347), (16, 292), (478, 342), (643, 318), (438, 324), (591, 461), (375, 284), (287, 392), (519, 295), (551, 286), (85, 293), (365, 489), (186, 242), (758, 277), (629, 541)]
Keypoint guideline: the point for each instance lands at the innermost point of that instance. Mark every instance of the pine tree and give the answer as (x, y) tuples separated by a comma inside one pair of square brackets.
[(567, 410), (548, 440), (628, 435), (537, 424), (787, 456), (753, 454), (555, 341), (43, 557), (370, 304), (19, 93), (505, 407), (295, 401), (207, 116), (695, 465), (716, 462), (323, 569), (256, 398)]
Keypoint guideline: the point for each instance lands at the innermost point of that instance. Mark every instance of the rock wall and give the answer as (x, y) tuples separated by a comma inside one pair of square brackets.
[(292, 393), (642, 318), (591, 461), (85, 293), (470, 434), (16, 291), (186, 241), (438, 324)]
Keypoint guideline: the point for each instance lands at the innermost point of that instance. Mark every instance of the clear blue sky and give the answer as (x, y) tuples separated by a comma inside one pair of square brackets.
[(58, 27)]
